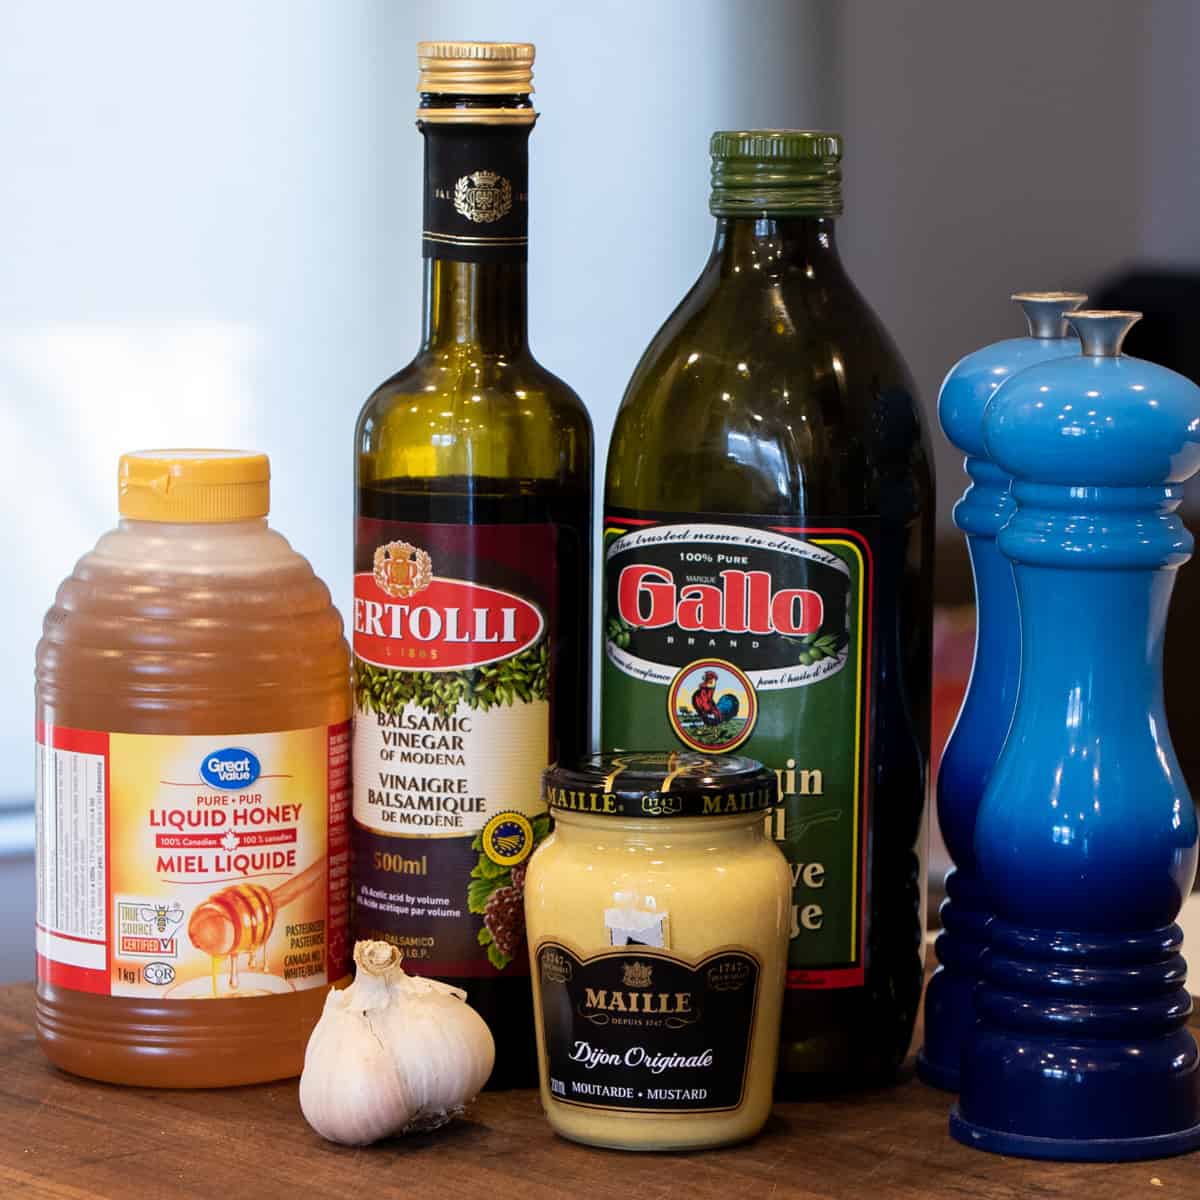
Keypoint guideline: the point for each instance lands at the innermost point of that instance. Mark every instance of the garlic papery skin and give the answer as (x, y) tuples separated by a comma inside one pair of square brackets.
[(392, 1053)]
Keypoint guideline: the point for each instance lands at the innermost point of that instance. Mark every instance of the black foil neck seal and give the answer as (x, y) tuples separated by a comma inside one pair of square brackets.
[(476, 191), (657, 785)]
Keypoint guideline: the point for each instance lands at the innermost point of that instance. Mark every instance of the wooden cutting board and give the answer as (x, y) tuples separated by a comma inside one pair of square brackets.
[(67, 1139)]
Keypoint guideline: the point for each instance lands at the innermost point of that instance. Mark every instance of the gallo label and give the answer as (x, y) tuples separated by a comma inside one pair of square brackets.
[(730, 633), (756, 598)]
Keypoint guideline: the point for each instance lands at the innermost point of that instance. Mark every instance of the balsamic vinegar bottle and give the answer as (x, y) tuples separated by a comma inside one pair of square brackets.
[(768, 537), (472, 594)]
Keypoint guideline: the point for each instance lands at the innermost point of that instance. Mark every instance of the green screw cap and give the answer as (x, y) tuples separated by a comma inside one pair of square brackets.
[(776, 172)]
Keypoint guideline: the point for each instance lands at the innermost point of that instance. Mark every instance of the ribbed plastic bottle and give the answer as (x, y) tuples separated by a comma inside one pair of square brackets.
[(193, 704)]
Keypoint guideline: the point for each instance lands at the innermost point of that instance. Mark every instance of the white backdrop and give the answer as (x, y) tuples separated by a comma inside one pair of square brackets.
[(210, 235)]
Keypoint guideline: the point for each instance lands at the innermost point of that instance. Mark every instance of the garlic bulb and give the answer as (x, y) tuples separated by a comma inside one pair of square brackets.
[(392, 1053)]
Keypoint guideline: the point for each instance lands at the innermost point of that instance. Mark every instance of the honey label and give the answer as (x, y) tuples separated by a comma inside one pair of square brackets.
[(736, 635), (453, 636), (641, 1030), (192, 867)]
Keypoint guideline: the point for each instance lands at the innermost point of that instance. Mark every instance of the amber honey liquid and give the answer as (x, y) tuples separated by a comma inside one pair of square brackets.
[(185, 630)]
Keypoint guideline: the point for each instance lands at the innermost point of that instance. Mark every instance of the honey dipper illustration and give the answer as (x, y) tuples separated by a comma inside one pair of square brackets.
[(239, 919)]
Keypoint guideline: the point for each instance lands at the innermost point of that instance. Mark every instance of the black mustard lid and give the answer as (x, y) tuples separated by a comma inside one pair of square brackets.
[(659, 784)]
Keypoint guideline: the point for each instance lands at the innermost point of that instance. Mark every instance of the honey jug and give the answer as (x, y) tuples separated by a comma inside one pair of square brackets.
[(193, 705)]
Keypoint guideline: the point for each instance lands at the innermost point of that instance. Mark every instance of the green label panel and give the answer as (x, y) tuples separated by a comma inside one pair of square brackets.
[(728, 634)]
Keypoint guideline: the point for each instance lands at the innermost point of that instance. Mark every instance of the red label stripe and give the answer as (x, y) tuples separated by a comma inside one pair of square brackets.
[(78, 979), (80, 741), (842, 977), (70, 937)]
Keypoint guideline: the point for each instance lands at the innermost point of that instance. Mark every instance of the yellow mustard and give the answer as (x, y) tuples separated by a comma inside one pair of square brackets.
[(657, 921)]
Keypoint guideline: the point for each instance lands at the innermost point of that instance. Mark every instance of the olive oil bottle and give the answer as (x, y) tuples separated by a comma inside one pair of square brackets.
[(767, 585), (472, 594)]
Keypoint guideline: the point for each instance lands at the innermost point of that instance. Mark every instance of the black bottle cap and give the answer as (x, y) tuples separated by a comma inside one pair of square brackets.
[(655, 784)]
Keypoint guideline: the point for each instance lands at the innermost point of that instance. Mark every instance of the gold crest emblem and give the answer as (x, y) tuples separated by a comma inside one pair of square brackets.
[(483, 196), (402, 569), (636, 974)]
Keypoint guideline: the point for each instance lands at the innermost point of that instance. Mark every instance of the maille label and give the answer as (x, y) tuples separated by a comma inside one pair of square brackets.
[(646, 1031), (453, 636), (731, 634), (651, 805)]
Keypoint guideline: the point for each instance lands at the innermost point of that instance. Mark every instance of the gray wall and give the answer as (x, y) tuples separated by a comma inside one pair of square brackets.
[(995, 148), (1170, 132), (16, 928)]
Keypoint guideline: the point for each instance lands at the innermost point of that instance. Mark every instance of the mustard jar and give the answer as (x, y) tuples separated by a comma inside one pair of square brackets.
[(657, 917)]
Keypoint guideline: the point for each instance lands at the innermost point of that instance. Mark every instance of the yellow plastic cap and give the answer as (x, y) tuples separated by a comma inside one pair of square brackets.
[(194, 485)]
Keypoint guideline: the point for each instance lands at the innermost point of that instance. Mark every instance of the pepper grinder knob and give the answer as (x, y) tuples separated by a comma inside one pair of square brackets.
[(1102, 331), (1046, 312)]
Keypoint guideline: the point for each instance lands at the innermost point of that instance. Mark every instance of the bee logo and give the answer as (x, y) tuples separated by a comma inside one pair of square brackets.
[(163, 917)]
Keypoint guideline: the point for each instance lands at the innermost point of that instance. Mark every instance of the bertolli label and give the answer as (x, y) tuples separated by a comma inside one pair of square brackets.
[(452, 656)]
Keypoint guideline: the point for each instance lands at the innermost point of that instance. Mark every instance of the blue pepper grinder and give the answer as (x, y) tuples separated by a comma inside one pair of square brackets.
[(982, 725), (1086, 839)]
